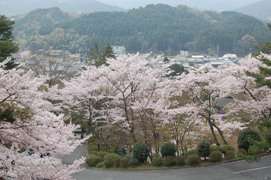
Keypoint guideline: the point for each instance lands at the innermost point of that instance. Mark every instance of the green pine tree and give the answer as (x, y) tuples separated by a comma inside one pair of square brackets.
[(108, 52), (263, 77), (7, 44), (98, 55)]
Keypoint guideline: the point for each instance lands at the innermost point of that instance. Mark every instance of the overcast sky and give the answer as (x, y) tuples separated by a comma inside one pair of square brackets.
[(206, 4)]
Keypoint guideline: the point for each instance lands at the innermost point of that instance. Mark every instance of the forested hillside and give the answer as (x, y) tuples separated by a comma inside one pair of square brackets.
[(157, 28)]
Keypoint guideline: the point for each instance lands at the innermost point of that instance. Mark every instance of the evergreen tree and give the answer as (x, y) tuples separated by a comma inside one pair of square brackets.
[(108, 53), (99, 55), (7, 44), (263, 78)]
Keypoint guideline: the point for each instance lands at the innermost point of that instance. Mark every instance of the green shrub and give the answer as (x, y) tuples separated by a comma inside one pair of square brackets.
[(192, 152), (168, 149), (263, 145), (111, 160), (228, 151), (100, 165), (225, 148), (258, 147), (93, 160), (229, 155), (193, 160), (248, 138), (242, 153), (133, 162), (216, 156), (124, 162), (214, 147), (204, 149), (180, 161), (141, 152), (250, 158), (121, 151), (157, 161), (268, 137), (169, 161), (101, 154)]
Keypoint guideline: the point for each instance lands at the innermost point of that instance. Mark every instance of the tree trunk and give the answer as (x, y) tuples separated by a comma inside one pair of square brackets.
[(220, 133)]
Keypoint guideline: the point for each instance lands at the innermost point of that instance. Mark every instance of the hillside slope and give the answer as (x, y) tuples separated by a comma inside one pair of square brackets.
[(157, 28)]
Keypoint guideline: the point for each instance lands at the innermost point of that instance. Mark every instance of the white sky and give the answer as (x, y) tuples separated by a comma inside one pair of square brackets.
[(207, 4)]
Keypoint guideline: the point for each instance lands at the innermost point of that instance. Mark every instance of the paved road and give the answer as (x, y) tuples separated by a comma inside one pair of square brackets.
[(256, 170)]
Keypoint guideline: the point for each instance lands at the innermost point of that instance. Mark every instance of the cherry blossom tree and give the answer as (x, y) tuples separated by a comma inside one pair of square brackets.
[(209, 91), (31, 135), (123, 92)]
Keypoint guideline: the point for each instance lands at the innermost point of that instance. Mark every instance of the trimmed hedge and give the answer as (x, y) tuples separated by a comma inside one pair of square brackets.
[(93, 160), (100, 165), (193, 160), (180, 161), (141, 152), (169, 161), (204, 149), (214, 147), (248, 138), (216, 156), (230, 155), (228, 151), (124, 162), (111, 160), (226, 148), (157, 161), (133, 162), (168, 149)]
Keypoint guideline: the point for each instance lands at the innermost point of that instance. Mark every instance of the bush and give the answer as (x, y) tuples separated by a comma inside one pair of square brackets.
[(204, 149), (268, 137), (258, 147), (225, 148), (242, 153), (111, 160), (180, 161), (229, 155), (254, 150), (216, 156), (247, 138), (191, 152), (228, 151), (193, 160), (141, 152), (133, 162), (157, 161), (124, 162), (169, 161), (93, 160), (214, 147), (168, 149), (100, 165), (121, 151), (101, 154)]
